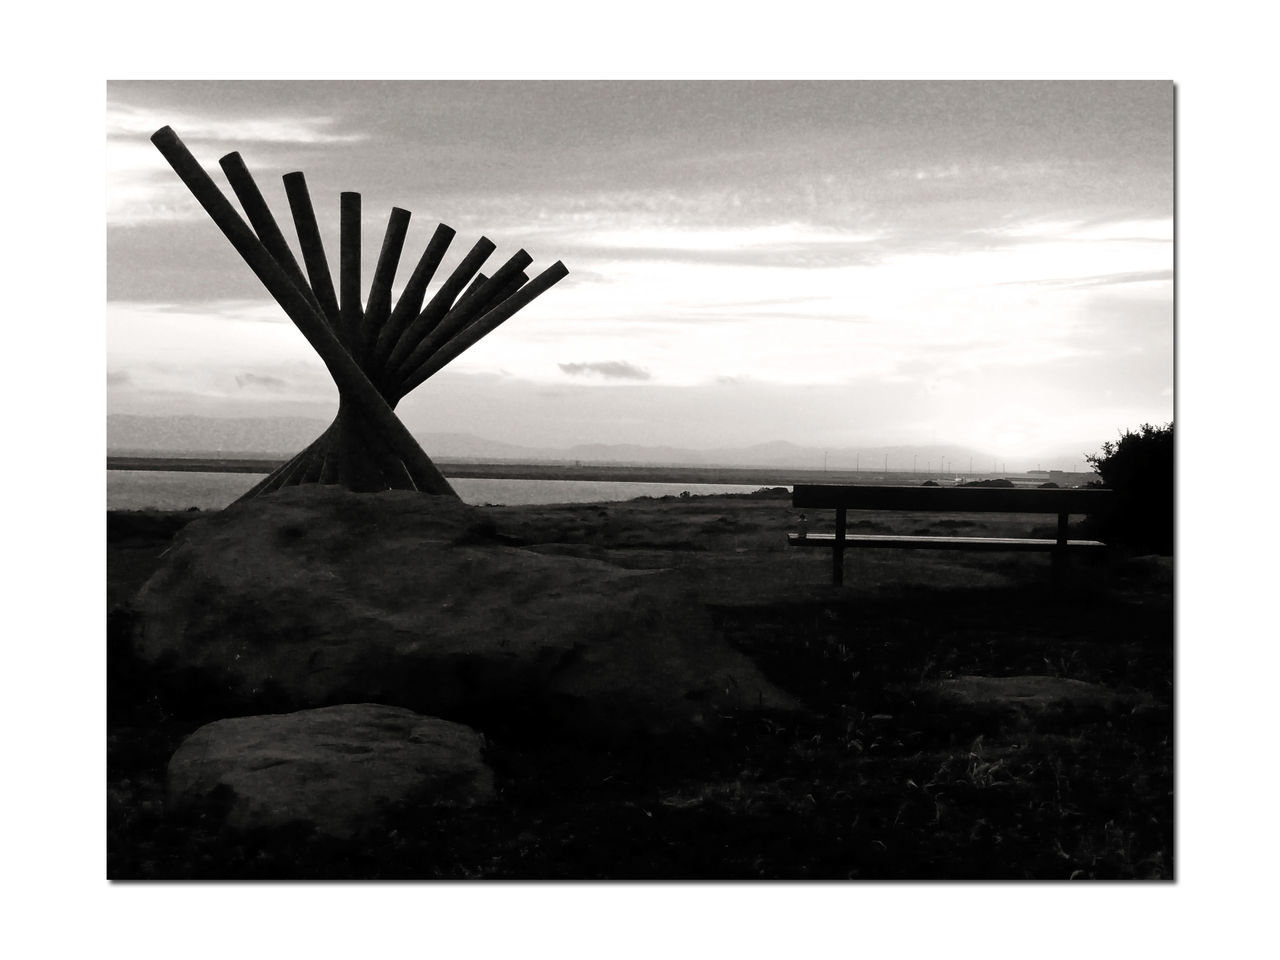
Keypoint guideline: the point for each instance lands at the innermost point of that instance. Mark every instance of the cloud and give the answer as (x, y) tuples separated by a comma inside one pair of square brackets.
[(1103, 280), (609, 369), (256, 380), (126, 120), (934, 251), (1150, 229), (142, 188), (168, 261), (778, 255), (119, 378)]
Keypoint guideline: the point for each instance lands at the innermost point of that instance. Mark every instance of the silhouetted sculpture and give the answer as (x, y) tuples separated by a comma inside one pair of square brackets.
[(377, 353)]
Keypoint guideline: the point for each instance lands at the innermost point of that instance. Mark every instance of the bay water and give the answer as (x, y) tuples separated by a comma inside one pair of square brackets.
[(180, 490)]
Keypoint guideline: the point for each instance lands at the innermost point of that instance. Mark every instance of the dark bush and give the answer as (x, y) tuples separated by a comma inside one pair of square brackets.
[(1139, 468), (769, 493), (146, 524)]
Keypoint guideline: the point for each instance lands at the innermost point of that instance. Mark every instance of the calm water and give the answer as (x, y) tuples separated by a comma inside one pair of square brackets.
[(178, 490)]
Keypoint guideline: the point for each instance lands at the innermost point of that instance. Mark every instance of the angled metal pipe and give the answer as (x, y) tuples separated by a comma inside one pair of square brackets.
[(434, 345), (349, 307), (269, 479), (328, 469), (304, 222), (390, 467), (364, 474), (478, 299), (378, 308), (485, 325), (338, 452), (264, 222), (410, 301), (439, 305), (287, 475), (478, 281), (415, 355), (375, 461), (397, 474), (310, 472), (347, 374), (515, 284)]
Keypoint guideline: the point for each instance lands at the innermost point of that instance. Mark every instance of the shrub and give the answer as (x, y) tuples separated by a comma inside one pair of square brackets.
[(146, 524), (1139, 468), (769, 493)]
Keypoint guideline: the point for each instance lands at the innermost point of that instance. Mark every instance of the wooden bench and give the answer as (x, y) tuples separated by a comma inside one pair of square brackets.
[(1063, 502)]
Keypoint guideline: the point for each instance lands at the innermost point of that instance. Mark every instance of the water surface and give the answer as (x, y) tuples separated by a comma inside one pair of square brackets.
[(180, 490)]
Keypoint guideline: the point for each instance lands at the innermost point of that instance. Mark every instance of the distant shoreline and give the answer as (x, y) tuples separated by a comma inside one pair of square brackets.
[(637, 473)]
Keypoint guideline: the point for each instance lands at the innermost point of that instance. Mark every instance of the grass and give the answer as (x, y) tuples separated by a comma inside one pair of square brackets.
[(877, 782)]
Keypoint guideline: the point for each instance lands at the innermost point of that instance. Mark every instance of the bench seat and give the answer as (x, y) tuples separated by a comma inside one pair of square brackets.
[(843, 498), (941, 543)]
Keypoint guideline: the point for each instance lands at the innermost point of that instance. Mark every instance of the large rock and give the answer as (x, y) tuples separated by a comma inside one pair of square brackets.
[(339, 769), (314, 596)]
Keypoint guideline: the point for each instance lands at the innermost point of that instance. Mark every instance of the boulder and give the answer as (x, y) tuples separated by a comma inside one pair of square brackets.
[(339, 769), (1034, 697), (1147, 571), (315, 596)]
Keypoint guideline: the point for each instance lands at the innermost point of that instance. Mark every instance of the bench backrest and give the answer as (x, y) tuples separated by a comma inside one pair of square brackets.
[(957, 499)]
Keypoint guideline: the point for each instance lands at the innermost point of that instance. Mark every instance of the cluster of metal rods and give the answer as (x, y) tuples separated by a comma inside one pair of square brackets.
[(376, 353)]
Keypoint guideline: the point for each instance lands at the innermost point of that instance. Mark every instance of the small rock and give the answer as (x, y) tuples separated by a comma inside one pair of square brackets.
[(1151, 570), (1035, 696), (340, 769)]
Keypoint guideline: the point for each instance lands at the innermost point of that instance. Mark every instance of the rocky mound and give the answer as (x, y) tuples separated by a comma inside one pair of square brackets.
[(314, 596), (339, 769)]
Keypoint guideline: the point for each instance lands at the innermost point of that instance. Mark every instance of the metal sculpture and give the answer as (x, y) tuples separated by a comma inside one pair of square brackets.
[(376, 353)]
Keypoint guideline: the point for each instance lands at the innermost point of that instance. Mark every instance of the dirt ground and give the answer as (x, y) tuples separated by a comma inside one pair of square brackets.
[(880, 781)]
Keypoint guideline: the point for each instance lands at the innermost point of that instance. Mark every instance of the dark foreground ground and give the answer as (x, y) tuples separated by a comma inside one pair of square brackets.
[(879, 783)]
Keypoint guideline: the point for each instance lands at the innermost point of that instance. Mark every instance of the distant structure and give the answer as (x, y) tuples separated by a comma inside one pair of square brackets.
[(376, 353), (1064, 476)]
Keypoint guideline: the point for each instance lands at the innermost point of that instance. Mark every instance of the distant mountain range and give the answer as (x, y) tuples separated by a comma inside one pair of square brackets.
[(268, 437)]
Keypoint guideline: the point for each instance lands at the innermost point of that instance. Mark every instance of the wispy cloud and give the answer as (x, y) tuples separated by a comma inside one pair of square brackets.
[(609, 369), (923, 253), (143, 189), (124, 120), (260, 382), (695, 239), (1102, 279), (824, 254), (1111, 229)]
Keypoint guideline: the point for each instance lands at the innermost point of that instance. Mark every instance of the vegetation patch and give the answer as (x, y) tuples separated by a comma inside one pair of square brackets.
[(878, 780)]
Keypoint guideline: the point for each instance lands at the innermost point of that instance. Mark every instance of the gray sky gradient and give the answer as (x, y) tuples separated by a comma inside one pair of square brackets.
[(829, 263)]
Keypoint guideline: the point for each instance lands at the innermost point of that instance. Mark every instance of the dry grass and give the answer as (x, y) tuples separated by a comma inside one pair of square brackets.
[(876, 783)]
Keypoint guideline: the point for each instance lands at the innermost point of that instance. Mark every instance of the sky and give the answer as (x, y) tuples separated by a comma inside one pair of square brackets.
[(836, 264)]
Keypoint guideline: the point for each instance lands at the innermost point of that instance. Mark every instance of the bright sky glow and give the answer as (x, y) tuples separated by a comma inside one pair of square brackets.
[(988, 264)]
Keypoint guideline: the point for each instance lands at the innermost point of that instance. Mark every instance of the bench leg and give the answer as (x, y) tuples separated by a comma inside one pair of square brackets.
[(837, 549), (1059, 555)]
